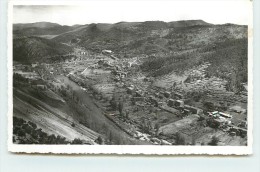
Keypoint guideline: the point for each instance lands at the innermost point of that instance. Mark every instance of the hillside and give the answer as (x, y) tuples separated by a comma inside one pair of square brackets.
[(152, 36), (35, 49), (187, 23), (223, 46), (175, 46), (193, 45), (123, 36), (171, 46), (65, 111), (51, 119)]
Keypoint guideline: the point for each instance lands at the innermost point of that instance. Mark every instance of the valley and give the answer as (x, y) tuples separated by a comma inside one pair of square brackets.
[(139, 83)]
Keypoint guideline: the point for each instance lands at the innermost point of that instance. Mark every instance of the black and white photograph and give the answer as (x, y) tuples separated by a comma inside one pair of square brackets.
[(144, 77)]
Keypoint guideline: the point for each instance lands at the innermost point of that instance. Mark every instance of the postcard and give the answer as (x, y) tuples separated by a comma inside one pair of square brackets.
[(130, 77)]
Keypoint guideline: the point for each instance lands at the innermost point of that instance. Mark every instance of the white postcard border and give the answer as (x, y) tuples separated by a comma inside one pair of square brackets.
[(124, 149)]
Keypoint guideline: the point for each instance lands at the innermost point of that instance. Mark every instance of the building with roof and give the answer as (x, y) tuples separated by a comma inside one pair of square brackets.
[(238, 109)]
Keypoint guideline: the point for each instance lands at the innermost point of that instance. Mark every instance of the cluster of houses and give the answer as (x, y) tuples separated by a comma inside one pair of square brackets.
[(220, 117), (162, 99), (169, 100), (173, 102), (111, 64)]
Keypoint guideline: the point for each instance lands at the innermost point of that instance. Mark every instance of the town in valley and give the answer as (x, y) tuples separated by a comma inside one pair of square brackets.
[(130, 83)]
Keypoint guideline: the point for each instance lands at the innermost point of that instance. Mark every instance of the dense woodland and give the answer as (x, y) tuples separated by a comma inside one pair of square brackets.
[(33, 49)]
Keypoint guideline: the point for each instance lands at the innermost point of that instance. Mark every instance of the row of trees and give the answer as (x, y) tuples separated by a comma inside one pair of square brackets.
[(181, 140), (118, 105), (29, 133)]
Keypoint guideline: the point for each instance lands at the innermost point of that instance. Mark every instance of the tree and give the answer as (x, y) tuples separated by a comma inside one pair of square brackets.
[(193, 141), (211, 122), (99, 140), (77, 142), (214, 141), (120, 108), (127, 114), (201, 118), (110, 137), (52, 139), (113, 104), (179, 139), (34, 126), (156, 127), (209, 106)]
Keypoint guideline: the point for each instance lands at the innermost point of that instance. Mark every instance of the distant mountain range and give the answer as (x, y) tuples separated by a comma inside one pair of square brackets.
[(172, 46), (45, 25), (42, 39), (48, 28), (41, 28)]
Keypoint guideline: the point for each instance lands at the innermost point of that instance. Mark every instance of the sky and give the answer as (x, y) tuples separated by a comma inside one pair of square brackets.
[(215, 12)]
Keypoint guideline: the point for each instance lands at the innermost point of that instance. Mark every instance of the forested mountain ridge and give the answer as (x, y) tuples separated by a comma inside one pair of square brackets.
[(169, 46)]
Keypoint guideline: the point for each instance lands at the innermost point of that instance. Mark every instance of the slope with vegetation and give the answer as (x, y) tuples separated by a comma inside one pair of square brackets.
[(171, 47), (35, 49)]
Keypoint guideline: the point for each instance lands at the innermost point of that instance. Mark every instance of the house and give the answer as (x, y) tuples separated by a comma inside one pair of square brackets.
[(245, 87), (193, 110), (106, 52), (121, 74), (238, 109), (161, 94), (179, 103), (171, 102), (130, 90), (138, 93), (238, 131), (118, 67), (213, 114), (167, 94), (220, 121), (175, 103), (217, 114), (177, 95), (39, 87), (94, 66), (168, 109), (186, 112), (242, 124), (225, 115)]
